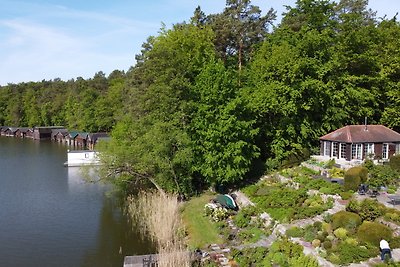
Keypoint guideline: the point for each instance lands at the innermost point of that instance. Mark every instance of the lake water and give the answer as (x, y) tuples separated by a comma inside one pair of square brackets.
[(50, 216)]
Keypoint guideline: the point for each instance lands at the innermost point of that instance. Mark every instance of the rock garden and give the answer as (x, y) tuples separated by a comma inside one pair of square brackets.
[(295, 217)]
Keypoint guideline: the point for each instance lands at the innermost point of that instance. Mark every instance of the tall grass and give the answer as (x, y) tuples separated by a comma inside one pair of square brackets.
[(157, 215)]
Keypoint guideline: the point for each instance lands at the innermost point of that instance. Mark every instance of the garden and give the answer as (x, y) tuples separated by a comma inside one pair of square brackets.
[(288, 196)]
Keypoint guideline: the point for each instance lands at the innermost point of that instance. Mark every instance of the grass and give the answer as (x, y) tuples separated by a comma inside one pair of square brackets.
[(201, 231)]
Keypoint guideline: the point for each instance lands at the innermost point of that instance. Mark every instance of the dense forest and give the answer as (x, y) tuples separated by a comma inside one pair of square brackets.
[(217, 97)]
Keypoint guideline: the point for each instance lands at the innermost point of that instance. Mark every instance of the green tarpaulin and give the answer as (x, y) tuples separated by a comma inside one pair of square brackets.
[(226, 201)]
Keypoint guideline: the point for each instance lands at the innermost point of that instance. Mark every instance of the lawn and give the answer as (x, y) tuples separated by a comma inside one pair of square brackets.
[(201, 231)]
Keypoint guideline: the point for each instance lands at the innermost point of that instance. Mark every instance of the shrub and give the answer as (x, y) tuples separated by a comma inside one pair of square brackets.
[(326, 227), (303, 260), (353, 206), (351, 241), (346, 219), (243, 218), (340, 233), (316, 243), (327, 244), (370, 210), (354, 177), (372, 232), (295, 232), (383, 176), (394, 162), (353, 253), (283, 215), (346, 195)]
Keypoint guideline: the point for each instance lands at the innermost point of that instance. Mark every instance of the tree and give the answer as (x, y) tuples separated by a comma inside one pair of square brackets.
[(222, 133), (151, 143), (238, 28)]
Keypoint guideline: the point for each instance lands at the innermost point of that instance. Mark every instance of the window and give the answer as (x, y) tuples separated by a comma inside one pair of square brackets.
[(397, 149), (385, 151), (335, 149), (369, 150), (327, 148), (342, 151), (356, 151)]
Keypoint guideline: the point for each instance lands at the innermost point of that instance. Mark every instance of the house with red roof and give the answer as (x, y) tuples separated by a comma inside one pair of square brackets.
[(359, 142)]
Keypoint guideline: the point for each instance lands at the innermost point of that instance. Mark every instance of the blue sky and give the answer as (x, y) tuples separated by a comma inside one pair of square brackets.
[(48, 39)]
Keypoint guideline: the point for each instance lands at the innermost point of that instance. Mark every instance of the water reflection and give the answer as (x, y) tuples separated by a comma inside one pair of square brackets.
[(51, 216), (112, 223)]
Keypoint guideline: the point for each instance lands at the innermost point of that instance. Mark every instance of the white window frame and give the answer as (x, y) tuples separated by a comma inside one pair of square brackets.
[(327, 148), (385, 151), (369, 149), (335, 149), (342, 150), (356, 151)]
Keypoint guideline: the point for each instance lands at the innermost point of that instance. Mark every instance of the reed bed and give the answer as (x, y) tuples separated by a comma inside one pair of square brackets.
[(157, 215)]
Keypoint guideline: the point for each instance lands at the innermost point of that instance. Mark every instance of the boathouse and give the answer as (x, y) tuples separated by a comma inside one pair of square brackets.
[(41, 133), (93, 138), (21, 132)]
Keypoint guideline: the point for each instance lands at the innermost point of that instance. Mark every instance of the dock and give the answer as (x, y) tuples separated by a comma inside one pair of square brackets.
[(148, 260)]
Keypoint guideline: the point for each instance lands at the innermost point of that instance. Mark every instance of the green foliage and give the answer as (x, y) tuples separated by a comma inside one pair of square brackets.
[(250, 235), (354, 177), (367, 209), (346, 195), (208, 99), (303, 260), (345, 219), (394, 162), (340, 233), (327, 244), (249, 256), (243, 218), (282, 250), (372, 232), (348, 253), (383, 175), (295, 232)]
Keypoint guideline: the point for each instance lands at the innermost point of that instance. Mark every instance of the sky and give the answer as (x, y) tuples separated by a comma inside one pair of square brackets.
[(66, 39)]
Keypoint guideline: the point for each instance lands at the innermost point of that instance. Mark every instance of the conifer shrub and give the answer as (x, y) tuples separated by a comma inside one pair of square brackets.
[(394, 162), (354, 177), (373, 233), (349, 253), (327, 244), (295, 232), (340, 233), (346, 219), (371, 209)]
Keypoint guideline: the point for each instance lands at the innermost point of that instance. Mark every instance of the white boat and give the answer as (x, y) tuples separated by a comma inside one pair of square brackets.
[(77, 158)]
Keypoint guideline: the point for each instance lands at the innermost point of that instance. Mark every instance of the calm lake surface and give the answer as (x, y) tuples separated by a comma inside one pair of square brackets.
[(50, 216)]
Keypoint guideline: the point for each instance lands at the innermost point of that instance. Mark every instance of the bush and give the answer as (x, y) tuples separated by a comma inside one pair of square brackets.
[(327, 244), (372, 232), (354, 177), (316, 243), (243, 218), (303, 260), (295, 232), (346, 219), (340, 233), (349, 253), (370, 210), (394, 162), (383, 175), (346, 195)]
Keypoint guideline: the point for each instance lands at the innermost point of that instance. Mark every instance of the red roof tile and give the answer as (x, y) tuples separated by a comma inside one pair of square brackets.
[(362, 134)]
